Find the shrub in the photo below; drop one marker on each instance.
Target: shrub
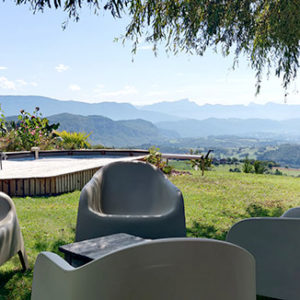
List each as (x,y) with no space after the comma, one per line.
(30,130)
(277,172)
(203,163)
(74,140)
(247,166)
(260,167)
(155,158)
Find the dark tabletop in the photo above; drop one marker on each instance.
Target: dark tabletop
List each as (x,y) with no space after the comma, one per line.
(95,248)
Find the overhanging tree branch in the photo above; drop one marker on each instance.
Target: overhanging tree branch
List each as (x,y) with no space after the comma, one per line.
(266,31)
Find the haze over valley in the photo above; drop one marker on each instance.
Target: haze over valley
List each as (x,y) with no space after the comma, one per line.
(172,126)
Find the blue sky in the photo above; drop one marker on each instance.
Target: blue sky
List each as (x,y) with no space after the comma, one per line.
(84,63)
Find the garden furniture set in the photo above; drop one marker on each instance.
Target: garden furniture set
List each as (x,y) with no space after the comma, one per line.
(130,243)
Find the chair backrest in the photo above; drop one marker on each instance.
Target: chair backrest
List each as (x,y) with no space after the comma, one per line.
(135,188)
(180,268)
(6,205)
(292,213)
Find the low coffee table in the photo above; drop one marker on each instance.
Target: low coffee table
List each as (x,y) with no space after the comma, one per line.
(80,253)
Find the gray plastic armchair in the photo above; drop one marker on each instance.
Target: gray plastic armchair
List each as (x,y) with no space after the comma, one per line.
(275,246)
(130,197)
(166,269)
(11,240)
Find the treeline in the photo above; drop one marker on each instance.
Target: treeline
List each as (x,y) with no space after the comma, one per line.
(285,155)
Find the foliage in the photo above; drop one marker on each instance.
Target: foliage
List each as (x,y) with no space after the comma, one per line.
(260,167)
(203,163)
(277,172)
(3,128)
(32,130)
(247,166)
(285,154)
(74,140)
(155,158)
(267,32)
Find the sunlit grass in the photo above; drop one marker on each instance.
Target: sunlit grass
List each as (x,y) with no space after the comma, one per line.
(213,203)
(46,223)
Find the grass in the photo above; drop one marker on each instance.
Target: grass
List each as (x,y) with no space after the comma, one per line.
(213,203)
(46,223)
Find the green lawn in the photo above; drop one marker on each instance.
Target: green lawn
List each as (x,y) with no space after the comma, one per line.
(213,203)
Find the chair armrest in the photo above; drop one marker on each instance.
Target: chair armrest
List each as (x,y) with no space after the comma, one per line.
(50,277)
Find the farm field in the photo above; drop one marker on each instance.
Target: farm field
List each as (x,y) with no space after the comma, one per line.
(213,203)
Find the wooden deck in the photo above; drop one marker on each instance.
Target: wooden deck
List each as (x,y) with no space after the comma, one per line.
(50,176)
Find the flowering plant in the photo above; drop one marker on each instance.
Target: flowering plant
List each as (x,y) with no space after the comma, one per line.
(32,129)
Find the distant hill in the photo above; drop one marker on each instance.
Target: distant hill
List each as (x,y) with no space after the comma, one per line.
(111,133)
(286,155)
(190,110)
(12,105)
(158,112)
(213,126)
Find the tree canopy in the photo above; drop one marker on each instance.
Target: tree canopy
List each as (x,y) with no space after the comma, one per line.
(266,31)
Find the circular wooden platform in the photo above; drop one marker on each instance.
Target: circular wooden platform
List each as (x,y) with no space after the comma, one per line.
(51,175)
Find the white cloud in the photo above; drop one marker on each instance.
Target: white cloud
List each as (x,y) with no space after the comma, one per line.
(7,84)
(127,90)
(21,82)
(61,68)
(3,68)
(74,87)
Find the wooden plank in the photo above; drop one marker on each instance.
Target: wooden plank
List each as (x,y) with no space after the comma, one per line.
(77,180)
(48,186)
(73,182)
(43,186)
(52,186)
(5,187)
(26,187)
(12,190)
(32,187)
(69,182)
(84,177)
(37,186)
(62,183)
(58,184)
(19,187)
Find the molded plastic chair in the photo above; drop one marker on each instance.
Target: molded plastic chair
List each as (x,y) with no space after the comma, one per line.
(178,268)
(11,240)
(275,246)
(130,197)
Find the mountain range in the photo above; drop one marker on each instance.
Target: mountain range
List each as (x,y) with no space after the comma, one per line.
(186,109)
(232,126)
(11,105)
(157,112)
(124,125)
